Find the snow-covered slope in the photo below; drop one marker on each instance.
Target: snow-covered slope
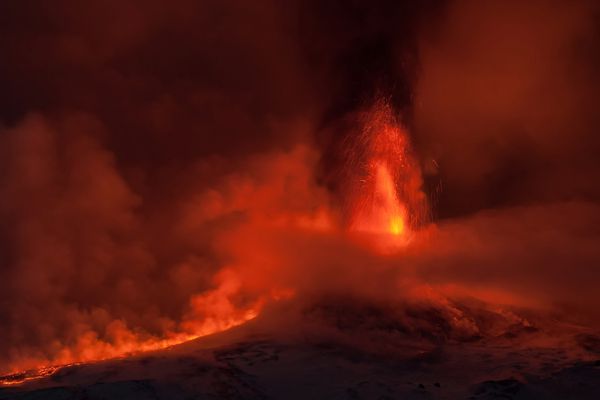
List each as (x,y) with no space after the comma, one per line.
(325,358)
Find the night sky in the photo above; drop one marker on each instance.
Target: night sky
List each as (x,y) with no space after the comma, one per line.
(135,135)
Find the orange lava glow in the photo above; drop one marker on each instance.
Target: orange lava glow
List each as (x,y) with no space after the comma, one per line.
(214,307)
(102,351)
(24,376)
(386,196)
(382,212)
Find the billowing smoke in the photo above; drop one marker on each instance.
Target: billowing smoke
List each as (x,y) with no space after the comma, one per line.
(170,170)
(505,102)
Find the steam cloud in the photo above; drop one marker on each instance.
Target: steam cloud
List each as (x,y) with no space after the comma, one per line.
(163,166)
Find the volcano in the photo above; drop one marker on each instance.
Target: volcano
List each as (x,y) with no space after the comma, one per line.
(346,348)
(301,199)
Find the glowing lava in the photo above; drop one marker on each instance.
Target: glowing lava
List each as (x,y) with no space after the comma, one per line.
(382,210)
(383,199)
(211,312)
(386,196)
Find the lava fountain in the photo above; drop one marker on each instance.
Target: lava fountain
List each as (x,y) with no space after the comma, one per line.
(382,210)
(384,201)
(384,184)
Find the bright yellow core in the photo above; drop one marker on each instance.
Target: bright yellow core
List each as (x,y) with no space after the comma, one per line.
(396,225)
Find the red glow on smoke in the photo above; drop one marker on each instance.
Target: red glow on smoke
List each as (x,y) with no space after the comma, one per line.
(385,185)
(385,201)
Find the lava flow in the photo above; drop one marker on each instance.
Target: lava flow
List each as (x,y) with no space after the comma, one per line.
(215,305)
(383,185)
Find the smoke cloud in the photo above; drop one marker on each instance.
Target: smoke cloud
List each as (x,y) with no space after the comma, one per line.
(505,102)
(169,170)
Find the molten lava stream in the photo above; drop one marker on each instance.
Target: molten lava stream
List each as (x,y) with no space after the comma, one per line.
(132,345)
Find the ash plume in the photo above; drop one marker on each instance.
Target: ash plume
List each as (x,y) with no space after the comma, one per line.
(171,169)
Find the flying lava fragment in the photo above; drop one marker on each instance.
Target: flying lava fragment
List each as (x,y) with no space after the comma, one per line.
(385,189)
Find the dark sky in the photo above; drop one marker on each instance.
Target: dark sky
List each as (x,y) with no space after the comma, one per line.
(171,83)
(503,95)
(115,117)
